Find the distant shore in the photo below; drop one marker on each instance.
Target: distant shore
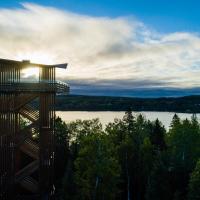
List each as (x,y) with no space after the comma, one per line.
(187,104)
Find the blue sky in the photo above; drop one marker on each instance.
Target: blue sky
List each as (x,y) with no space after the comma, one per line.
(132,48)
(164,15)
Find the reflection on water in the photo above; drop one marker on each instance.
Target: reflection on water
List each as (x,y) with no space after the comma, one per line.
(109,116)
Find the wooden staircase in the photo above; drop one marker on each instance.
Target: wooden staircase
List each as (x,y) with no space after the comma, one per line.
(27,145)
(29,113)
(30,148)
(21,100)
(27,132)
(26,171)
(16,104)
(30,184)
(22,162)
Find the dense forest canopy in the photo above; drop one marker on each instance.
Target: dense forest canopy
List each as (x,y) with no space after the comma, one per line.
(132,158)
(188,104)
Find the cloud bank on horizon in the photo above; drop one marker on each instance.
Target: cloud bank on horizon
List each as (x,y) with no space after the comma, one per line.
(106,53)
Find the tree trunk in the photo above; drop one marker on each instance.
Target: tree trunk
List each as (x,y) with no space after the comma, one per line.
(128,178)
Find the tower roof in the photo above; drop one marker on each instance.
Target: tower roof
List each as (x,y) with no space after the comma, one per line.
(27,63)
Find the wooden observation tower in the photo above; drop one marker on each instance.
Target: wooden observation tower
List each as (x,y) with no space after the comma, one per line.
(27,117)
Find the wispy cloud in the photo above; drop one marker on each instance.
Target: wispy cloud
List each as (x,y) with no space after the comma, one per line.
(111,52)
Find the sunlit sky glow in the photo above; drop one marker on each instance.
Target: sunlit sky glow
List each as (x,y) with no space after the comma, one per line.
(30,72)
(113,54)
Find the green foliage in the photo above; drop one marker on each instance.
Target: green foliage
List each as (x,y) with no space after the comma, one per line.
(157,135)
(131,158)
(184,150)
(194,184)
(184,143)
(61,131)
(102,103)
(97,169)
(61,151)
(159,183)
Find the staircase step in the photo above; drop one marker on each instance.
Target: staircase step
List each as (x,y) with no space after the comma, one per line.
(30,148)
(15,103)
(26,171)
(30,184)
(30,113)
(24,99)
(27,132)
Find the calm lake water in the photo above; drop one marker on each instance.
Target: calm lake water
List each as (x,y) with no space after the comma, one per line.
(109,116)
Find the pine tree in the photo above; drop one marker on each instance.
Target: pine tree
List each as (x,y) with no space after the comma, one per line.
(194,184)
(194,121)
(159,185)
(129,121)
(158,136)
(175,121)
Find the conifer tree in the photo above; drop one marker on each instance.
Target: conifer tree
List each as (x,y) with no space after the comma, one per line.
(158,136)
(194,184)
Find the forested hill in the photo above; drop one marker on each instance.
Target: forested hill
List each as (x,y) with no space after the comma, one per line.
(189,104)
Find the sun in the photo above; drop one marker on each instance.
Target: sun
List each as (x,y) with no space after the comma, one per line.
(38,57)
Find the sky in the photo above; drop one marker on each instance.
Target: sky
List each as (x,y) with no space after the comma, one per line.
(120,48)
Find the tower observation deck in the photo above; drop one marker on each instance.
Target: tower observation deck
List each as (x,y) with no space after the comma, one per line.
(27,120)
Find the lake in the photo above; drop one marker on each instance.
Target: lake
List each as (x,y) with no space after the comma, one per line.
(109,116)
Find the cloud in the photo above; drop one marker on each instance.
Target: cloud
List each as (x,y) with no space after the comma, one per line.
(109,52)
